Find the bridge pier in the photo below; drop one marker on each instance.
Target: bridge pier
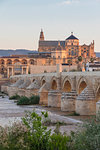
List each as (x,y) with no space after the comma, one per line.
(68,101)
(86,103)
(68,98)
(43,93)
(54,98)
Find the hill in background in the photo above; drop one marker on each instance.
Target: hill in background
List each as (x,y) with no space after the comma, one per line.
(23,52)
(14,52)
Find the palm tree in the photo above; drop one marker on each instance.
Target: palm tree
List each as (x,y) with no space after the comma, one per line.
(79,58)
(79,61)
(91,59)
(69,63)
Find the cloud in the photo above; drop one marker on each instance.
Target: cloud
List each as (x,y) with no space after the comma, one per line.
(68,2)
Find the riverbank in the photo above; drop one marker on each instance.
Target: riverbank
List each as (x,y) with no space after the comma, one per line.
(10,113)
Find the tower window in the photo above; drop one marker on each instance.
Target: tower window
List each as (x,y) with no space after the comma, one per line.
(72,53)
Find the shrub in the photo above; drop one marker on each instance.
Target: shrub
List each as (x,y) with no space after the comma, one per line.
(74,114)
(15,97)
(38,136)
(35,99)
(23,101)
(89,137)
(13,137)
(31,134)
(60,142)
(28,101)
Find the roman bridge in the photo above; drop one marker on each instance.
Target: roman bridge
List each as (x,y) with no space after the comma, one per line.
(71,91)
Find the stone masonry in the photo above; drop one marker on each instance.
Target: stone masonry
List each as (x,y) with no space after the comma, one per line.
(71,91)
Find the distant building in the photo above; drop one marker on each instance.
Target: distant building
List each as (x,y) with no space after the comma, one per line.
(95,66)
(69,48)
(49,53)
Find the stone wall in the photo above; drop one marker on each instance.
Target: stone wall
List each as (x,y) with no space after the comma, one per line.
(42,69)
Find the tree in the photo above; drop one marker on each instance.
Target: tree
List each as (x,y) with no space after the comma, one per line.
(91,59)
(79,58)
(69,63)
(78,64)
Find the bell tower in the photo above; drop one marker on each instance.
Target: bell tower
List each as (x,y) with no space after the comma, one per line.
(41,36)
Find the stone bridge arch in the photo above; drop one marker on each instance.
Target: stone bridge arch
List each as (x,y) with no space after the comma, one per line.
(54,83)
(82,84)
(43,80)
(67,85)
(32,80)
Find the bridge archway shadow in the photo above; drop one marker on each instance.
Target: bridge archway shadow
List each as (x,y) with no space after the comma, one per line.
(54,85)
(82,86)
(67,86)
(43,82)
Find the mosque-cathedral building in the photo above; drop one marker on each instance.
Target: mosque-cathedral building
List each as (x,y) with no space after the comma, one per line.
(49,53)
(67,49)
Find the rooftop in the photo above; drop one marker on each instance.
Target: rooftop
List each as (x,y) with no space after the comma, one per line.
(72,37)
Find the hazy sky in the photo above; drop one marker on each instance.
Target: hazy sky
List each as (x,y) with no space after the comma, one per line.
(22,20)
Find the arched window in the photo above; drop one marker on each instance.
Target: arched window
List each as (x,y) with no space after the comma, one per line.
(72,53)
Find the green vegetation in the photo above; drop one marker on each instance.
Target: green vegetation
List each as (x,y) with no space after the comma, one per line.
(32,134)
(28,101)
(23,100)
(15,97)
(92,59)
(74,114)
(79,58)
(89,138)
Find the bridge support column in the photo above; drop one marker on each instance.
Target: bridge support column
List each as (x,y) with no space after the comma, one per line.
(54,98)
(68,101)
(43,98)
(43,93)
(86,103)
